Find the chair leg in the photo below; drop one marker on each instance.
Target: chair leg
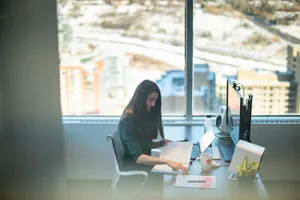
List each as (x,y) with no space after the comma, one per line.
(114,186)
(115,189)
(115,180)
(141,186)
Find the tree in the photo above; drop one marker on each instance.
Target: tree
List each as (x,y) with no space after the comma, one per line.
(62,2)
(109,2)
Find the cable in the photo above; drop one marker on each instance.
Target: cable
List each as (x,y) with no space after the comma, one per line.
(238,88)
(242,88)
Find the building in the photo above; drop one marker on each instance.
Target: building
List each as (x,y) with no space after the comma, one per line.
(293,52)
(171,85)
(114,88)
(273,92)
(293,64)
(122,72)
(80,88)
(204,90)
(173,90)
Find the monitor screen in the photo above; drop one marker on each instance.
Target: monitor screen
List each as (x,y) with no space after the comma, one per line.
(235,111)
(248,118)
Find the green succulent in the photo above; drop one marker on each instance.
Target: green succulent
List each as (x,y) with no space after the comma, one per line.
(247,168)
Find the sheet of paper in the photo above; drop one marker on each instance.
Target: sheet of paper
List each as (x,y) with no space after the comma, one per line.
(165,169)
(195,181)
(176,151)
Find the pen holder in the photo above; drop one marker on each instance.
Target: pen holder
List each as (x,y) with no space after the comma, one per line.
(246,161)
(248,179)
(247,171)
(246,182)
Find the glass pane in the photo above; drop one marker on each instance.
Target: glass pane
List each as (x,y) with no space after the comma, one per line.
(247,41)
(108,47)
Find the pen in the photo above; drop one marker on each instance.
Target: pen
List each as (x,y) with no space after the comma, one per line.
(196,181)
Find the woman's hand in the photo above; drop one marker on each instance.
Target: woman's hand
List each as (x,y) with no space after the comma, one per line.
(177,166)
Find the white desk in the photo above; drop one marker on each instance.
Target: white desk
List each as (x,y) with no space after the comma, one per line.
(226,189)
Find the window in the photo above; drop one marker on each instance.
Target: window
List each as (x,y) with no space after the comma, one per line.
(228,44)
(118,44)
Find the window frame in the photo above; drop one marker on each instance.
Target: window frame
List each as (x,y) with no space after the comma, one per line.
(187,118)
(189,67)
(179,120)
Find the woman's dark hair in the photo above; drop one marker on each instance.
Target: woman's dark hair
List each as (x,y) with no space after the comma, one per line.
(137,105)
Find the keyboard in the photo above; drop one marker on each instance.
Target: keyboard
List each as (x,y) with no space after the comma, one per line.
(227,151)
(196,152)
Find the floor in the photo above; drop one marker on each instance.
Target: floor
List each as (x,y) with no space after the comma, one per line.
(283,190)
(96,190)
(88,190)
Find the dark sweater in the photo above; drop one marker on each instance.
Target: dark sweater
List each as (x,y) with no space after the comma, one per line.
(137,140)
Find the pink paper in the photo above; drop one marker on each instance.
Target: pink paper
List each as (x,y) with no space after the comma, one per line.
(207,184)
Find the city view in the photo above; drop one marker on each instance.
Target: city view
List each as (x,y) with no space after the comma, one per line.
(108,47)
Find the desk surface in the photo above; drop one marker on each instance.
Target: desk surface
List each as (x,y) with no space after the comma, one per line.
(225,188)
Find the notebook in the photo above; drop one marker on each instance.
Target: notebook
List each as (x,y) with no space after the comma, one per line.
(196,181)
(176,151)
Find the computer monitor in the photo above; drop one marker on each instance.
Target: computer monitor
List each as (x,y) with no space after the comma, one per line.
(236,119)
(236,112)
(248,118)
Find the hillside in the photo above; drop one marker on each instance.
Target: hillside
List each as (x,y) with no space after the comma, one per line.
(283,15)
(216,25)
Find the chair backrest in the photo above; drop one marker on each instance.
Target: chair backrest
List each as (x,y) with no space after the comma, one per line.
(118,149)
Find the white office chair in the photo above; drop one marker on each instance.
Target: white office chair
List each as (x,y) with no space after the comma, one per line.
(118,152)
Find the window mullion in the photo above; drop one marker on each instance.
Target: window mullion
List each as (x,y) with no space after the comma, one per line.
(189,68)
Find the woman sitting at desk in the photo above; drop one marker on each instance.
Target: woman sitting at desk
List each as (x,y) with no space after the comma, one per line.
(139,126)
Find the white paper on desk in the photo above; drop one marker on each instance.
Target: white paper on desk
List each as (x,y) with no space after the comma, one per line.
(175,151)
(182,181)
(166,169)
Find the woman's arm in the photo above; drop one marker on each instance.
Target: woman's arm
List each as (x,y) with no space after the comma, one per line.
(149,160)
